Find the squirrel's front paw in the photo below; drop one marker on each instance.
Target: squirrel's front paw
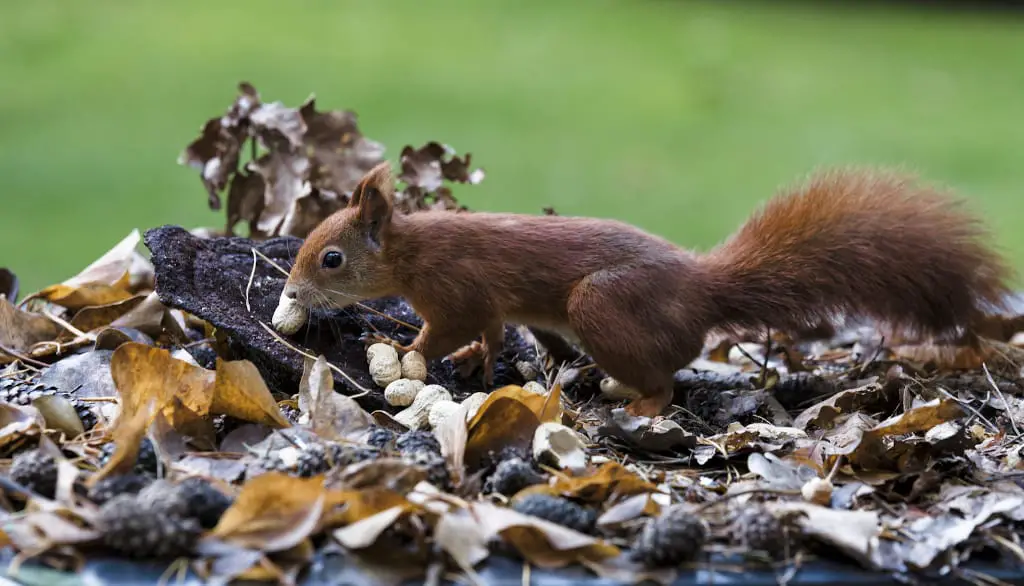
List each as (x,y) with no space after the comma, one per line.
(468,359)
(371,338)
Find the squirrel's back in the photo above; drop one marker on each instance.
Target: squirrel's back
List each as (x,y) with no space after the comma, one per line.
(873,243)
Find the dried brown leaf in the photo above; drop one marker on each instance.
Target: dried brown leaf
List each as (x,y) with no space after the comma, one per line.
(92,318)
(19,329)
(284,176)
(331,415)
(365,532)
(273,512)
(245,201)
(855,533)
(60,415)
(127,435)
(143,374)
(216,152)
(542,543)
(18,422)
(609,483)
(505,419)
(340,155)
(239,391)
(864,398)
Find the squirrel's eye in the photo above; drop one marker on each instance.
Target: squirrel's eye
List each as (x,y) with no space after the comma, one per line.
(332,260)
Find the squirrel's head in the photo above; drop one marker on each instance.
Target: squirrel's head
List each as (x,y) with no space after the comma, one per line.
(342,260)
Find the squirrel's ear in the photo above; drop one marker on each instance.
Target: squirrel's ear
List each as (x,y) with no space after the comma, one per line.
(378,177)
(374,197)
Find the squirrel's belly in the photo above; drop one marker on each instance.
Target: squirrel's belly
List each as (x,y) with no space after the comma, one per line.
(561,328)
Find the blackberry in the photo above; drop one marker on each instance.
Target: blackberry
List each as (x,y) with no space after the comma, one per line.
(557,510)
(381,438)
(113,486)
(417,441)
(145,463)
(511,476)
(674,537)
(435,466)
(203,501)
(35,471)
(22,391)
(138,527)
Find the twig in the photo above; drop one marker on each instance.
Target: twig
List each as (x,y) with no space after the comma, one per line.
(67,326)
(22,357)
(248,286)
(970,408)
(995,387)
(384,315)
(351,381)
(272,263)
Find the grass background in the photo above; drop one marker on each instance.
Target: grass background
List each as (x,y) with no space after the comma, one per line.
(677,116)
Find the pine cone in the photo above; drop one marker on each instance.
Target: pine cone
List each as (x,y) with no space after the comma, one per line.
(511,476)
(22,391)
(557,510)
(203,501)
(435,466)
(340,455)
(674,537)
(417,441)
(113,486)
(381,438)
(145,463)
(137,527)
(309,460)
(758,529)
(35,471)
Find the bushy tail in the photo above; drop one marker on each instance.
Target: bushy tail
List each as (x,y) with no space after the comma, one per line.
(871,243)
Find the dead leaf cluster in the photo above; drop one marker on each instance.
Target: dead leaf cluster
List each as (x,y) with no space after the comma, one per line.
(303,164)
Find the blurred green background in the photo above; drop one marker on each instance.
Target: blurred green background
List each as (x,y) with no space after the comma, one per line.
(677,116)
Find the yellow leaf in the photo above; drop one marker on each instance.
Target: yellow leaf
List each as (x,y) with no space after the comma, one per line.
(239,391)
(143,373)
(129,430)
(611,482)
(504,419)
(273,512)
(89,294)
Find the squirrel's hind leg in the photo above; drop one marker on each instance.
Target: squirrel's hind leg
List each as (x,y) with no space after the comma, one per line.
(615,315)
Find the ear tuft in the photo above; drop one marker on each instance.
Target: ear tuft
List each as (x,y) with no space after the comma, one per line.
(375,202)
(379,178)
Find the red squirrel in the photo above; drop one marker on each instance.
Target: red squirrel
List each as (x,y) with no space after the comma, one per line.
(866,242)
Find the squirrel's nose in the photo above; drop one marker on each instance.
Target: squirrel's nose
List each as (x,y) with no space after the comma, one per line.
(290,292)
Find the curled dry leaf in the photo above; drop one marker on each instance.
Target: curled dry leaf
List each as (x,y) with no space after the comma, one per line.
(273,512)
(542,543)
(92,318)
(331,415)
(18,422)
(144,374)
(341,154)
(105,281)
(509,417)
(646,433)
(866,397)
(239,391)
(127,435)
(19,329)
(608,484)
